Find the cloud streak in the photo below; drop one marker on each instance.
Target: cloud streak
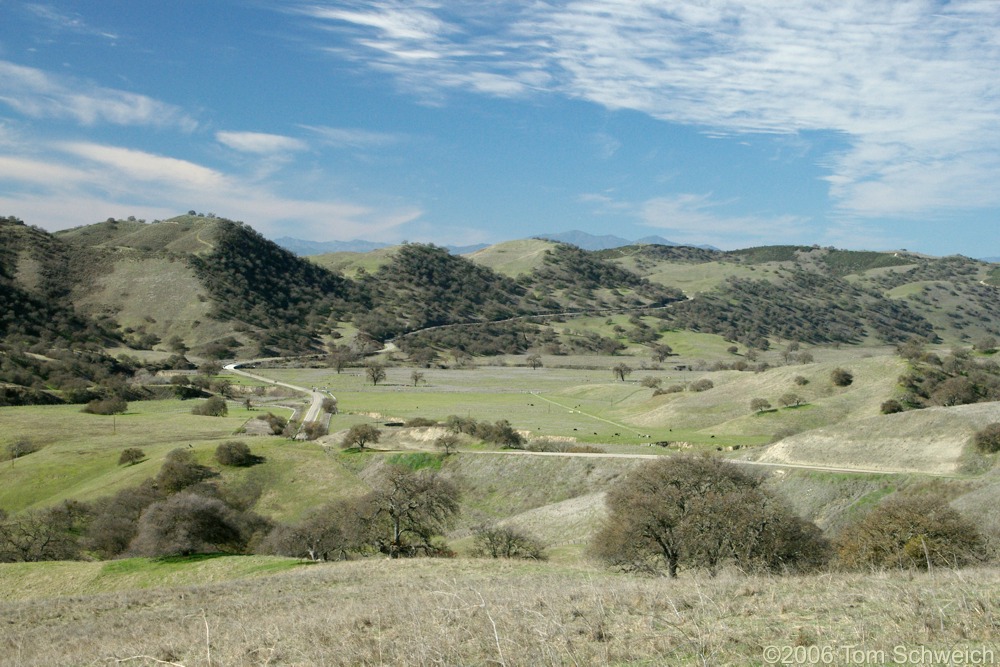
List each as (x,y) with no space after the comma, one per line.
(66,23)
(346,137)
(909,85)
(39,94)
(72,183)
(689,217)
(260,143)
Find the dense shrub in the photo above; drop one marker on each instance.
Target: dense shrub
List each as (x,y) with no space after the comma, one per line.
(116,519)
(235,453)
(131,456)
(180,470)
(21,447)
(213,407)
(498,433)
(314,430)
(420,421)
(988,439)
(891,406)
(910,531)
(841,377)
(334,531)
(106,406)
(187,523)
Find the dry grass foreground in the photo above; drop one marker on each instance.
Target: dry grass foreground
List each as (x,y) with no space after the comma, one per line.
(452,612)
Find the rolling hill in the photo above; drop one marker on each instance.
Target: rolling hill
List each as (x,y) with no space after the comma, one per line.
(514,258)
(215,288)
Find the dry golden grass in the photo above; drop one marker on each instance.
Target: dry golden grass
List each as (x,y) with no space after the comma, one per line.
(468,612)
(930,441)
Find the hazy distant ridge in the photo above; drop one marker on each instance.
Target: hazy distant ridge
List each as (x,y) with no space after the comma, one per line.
(608,241)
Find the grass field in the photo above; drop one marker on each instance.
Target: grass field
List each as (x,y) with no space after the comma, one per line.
(513,258)
(423,612)
(591,406)
(694,278)
(348,263)
(79,455)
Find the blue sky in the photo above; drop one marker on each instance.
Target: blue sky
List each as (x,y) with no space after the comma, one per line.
(859,124)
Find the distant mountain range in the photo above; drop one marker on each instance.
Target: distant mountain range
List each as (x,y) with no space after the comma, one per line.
(575,237)
(305,248)
(607,242)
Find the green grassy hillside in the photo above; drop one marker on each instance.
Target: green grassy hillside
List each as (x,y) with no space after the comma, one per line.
(350,264)
(184,234)
(79,453)
(161,295)
(514,258)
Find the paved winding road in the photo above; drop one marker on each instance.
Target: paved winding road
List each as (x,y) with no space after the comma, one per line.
(315,406)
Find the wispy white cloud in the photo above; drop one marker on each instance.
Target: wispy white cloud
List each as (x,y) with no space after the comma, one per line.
(40,94)
(140,166)
(39,172)
(63,22)
(260,143)
(399,22)
(699,218)
(347,137)
(606,144)
(65,184)
(910,85)
(432,47)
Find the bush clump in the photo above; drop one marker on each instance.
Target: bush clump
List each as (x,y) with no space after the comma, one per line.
(890,407)
(131,456)
(841,377)
(213,407)
(180,471)
(499,433)
(910,531)
(988,439)
(106,406)
(235,453)
(19,448)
